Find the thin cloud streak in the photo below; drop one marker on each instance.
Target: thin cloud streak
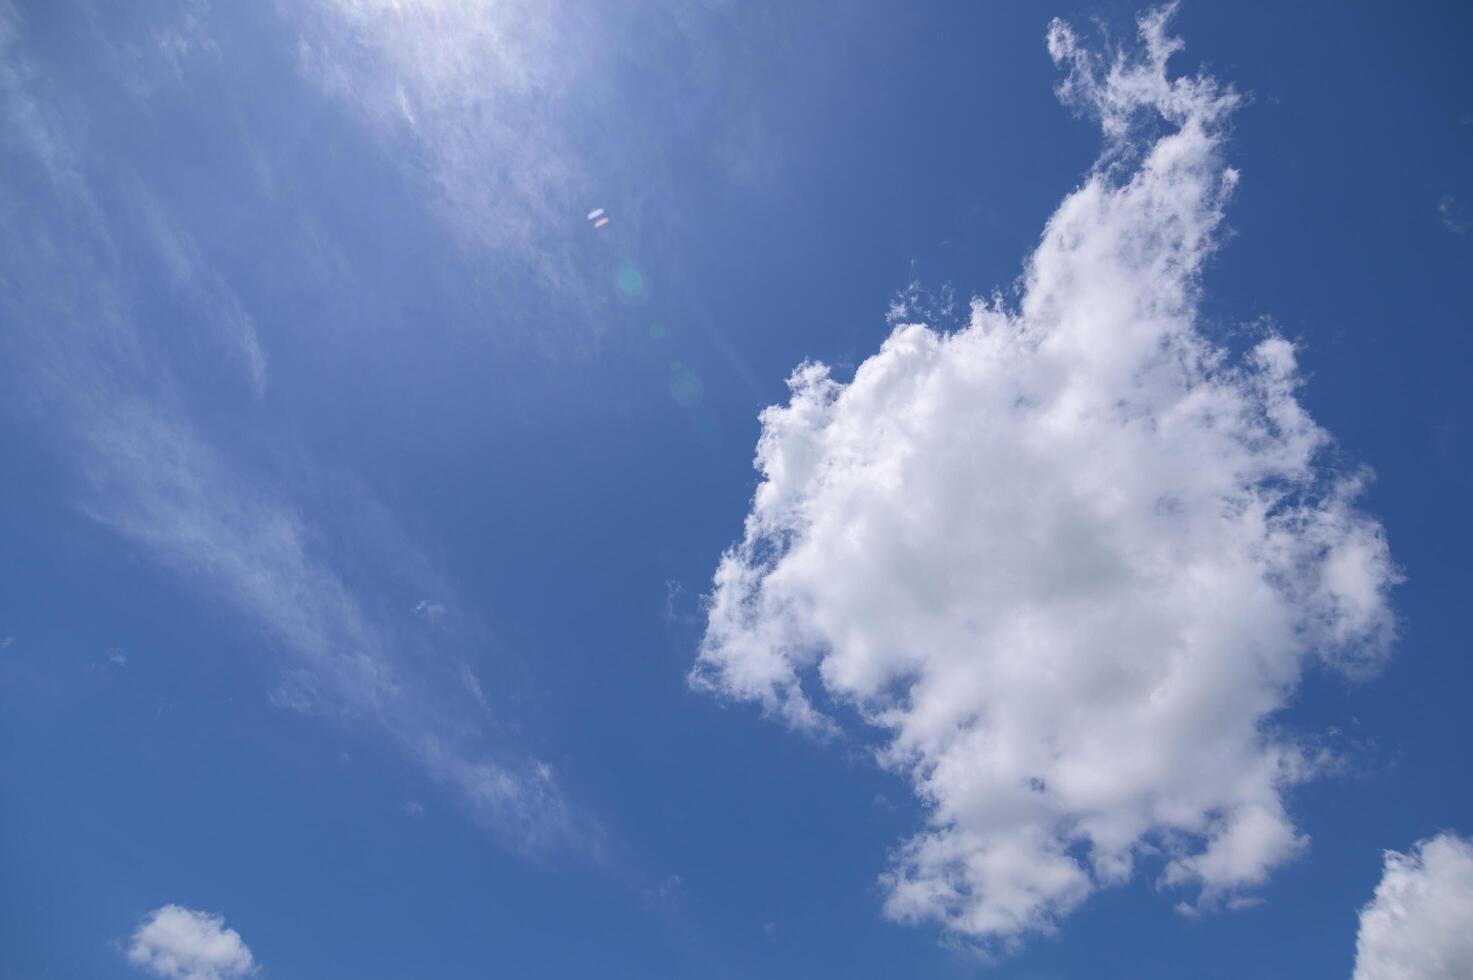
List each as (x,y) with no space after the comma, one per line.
(103,388)
(475,92)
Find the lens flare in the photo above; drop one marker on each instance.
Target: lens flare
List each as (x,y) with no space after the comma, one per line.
(685,386)
(630,281)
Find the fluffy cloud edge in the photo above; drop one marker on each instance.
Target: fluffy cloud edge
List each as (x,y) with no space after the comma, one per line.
(1419,924)
(179,943)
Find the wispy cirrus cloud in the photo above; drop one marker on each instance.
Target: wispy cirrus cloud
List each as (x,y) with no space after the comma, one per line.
(204,290)
(519,118)
(1070,559)
(104,387)
(473,98)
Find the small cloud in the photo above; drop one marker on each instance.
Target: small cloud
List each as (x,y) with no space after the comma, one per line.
(429,609)
(472,683)
(1454,216)
(181,944)
(665,891)
(917,304)
(679,607)
(401,99)
(297,692)
(769,928)
(415,809)
(113,658)
(7,643)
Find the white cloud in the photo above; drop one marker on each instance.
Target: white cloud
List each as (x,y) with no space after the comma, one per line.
(665,891)
(181,944)
(1451,211)
(472,682)
(1420,924)
(1069,559)
(429,609)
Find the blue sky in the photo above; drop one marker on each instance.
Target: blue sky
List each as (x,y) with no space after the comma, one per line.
(377,599)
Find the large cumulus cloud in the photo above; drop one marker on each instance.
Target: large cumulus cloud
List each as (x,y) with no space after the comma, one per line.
(1069,559)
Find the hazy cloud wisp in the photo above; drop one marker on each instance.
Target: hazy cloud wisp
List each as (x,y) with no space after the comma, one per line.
(103,385)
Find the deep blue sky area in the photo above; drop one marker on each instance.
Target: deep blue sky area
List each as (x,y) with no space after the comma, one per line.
(513,448)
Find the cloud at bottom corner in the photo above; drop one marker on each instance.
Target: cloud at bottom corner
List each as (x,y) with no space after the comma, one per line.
(179,943)
(1419,924)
